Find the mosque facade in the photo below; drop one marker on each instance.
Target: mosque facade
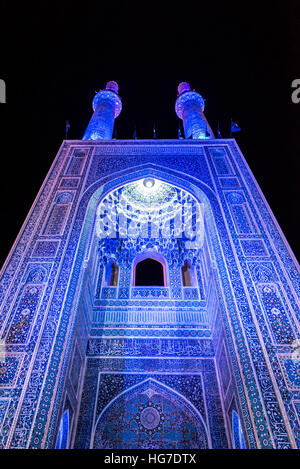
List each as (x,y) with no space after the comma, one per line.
(150,299)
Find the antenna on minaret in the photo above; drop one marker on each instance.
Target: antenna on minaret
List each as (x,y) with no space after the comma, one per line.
(179,131)
(154,131)
(134,133)
(67,128)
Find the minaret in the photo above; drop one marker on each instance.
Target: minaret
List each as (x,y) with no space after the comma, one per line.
(107,105)
(189,107)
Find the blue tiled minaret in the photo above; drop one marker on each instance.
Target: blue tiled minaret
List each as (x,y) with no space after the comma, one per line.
(189,107)
(107,105)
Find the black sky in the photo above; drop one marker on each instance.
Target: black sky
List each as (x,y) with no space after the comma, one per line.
(241,57)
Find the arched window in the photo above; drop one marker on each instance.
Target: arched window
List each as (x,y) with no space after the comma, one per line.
(111,274)
(237,432)
(188,275)
(149,272)
(63,432)
(114,275)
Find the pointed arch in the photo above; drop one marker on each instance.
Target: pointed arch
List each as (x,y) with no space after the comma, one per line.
(151,254)
(150,413)
(111,274)
(82,239)
(203,194)
(149,272)
(237,432)
(62,440)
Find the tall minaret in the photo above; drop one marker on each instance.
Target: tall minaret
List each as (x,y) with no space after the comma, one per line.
(107,106)
(189,107)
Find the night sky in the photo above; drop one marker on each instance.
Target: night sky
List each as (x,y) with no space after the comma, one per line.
(242,58)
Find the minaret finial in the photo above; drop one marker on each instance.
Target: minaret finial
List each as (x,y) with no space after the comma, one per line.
(182,87)
(112,86)
(107,106)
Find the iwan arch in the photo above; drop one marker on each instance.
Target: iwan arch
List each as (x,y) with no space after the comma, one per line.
(206,359)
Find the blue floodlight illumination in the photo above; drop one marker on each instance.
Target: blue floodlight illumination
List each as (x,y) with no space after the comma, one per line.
(107,106)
